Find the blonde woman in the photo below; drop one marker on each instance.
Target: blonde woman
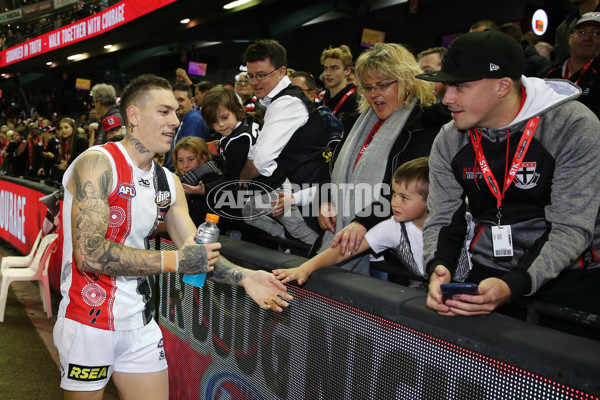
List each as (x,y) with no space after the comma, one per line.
(399,121)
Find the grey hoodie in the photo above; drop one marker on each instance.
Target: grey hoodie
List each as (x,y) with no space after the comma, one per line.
(552,206)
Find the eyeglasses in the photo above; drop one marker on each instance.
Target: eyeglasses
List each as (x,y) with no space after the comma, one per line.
(260,76)
(593,34)
(378,86)
(243,81)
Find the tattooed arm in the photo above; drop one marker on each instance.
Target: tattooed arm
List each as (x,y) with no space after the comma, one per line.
(261,286)
(90,185)
(267,291)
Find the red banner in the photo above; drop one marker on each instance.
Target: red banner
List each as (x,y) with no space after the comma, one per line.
(97,24)
(21,214)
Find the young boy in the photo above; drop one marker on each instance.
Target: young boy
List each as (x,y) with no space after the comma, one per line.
(403,231)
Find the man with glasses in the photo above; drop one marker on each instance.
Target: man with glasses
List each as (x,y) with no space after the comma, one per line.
(582,65)
(565,28)
(292,139)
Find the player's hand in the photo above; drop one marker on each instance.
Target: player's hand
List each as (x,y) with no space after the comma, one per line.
(298,274)
(198,258)
(266,291)
(327,217)
(492,293)
(440,275)
(349,238)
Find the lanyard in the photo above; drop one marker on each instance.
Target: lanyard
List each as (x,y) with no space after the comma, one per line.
(583,70)
(509,174)
(66,150)
(342,100)
(368,141)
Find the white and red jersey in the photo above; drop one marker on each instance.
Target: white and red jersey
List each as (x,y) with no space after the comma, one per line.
(137,200)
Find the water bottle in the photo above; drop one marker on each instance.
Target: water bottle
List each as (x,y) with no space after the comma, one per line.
(207,233)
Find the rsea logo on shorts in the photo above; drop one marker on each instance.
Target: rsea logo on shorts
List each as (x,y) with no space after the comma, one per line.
(87,374)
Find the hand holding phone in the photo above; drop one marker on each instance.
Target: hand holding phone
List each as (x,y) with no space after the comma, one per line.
(451,291)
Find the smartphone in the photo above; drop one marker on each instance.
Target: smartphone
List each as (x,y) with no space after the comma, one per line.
(452,290)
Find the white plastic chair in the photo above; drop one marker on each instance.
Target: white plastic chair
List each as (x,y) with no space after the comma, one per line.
(36,271)
(21,261)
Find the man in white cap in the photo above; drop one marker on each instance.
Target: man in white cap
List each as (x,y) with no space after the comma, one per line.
(582,65)
(564,29)
(521,156)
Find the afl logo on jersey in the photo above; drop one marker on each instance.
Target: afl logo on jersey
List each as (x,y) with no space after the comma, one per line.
(126,190)
(162,199)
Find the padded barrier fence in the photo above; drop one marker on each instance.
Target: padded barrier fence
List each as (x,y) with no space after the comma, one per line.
(346,336)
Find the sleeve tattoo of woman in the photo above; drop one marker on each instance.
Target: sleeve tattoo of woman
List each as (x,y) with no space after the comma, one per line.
(92,181)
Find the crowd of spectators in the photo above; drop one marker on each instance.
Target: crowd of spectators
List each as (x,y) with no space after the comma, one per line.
(41,148)
(276,133)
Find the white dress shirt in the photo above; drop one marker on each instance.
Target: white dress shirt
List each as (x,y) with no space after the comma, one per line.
(282,119)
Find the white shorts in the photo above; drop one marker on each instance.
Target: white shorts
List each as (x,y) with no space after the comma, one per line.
(88,356)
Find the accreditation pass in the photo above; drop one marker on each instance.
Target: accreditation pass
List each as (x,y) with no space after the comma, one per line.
(502,241)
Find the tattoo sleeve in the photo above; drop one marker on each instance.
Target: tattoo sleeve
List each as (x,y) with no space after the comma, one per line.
(227,272)
(193,260)
(91,184)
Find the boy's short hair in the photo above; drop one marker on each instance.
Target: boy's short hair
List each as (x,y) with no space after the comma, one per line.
(223,96)
(414,171)
(267,48)
(135,92)
(195,145)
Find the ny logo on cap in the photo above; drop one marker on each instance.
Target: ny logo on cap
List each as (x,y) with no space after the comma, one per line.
(494,67)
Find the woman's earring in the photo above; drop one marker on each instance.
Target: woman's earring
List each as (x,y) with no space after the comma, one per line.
(131,126)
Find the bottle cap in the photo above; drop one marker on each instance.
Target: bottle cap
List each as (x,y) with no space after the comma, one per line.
(212,217)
